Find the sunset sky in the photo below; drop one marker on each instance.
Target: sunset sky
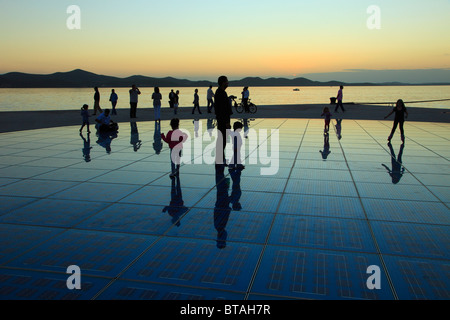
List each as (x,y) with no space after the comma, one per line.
(199,39)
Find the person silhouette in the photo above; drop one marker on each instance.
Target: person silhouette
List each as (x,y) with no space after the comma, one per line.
(85,118)
(400,115)
(223,114)
(157,97)
(104,122)
(326,146)
(175,139)
(171,99)
(245,96)
(134,137)
(196,102)
(397,166)
(97,101)
(176,209)
(134,98)
(157,140)
(327,114)
(176,102)
(113,98)
(339,98)
(210,99)
(86,147)
(236,160)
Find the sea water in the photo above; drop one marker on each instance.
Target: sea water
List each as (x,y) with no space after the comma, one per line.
(74,98)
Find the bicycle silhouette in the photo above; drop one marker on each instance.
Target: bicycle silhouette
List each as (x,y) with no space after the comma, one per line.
(252,108)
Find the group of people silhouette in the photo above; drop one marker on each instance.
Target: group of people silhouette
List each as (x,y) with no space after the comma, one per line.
(395,172)
(219,101)
(225,202)
(223,110)
(114,98)
(174,101)
(400,111)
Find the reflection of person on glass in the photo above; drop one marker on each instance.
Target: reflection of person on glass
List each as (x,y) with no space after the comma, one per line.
(134,140)
(246,128)
(105,139)
(86,147)
(196,123)
(397,167)
(236,191)
(339,128)
(222,208)
(210,126)
(236,161)
(326,146)
(176,208)
(157,141)
(400,115)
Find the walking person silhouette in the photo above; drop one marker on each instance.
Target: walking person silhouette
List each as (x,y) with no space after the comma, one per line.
(339,98)
(210,97)
(196,102)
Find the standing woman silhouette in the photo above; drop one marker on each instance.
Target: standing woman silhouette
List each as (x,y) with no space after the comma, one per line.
(157,97)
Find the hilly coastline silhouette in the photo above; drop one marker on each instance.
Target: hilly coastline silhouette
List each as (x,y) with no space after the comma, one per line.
(83,79)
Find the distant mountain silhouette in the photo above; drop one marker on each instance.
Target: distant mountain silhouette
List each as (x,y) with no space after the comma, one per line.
(281,82)
(83,79)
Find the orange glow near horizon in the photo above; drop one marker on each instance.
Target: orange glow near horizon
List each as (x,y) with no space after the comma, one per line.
(272,41)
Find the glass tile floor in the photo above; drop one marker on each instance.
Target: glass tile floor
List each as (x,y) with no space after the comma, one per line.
(305,219)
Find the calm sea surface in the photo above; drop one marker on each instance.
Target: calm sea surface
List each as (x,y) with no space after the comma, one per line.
(70,99)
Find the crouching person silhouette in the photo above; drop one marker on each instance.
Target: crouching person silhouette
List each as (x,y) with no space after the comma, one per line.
(104,122)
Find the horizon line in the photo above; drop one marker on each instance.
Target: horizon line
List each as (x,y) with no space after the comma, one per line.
(293,77)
